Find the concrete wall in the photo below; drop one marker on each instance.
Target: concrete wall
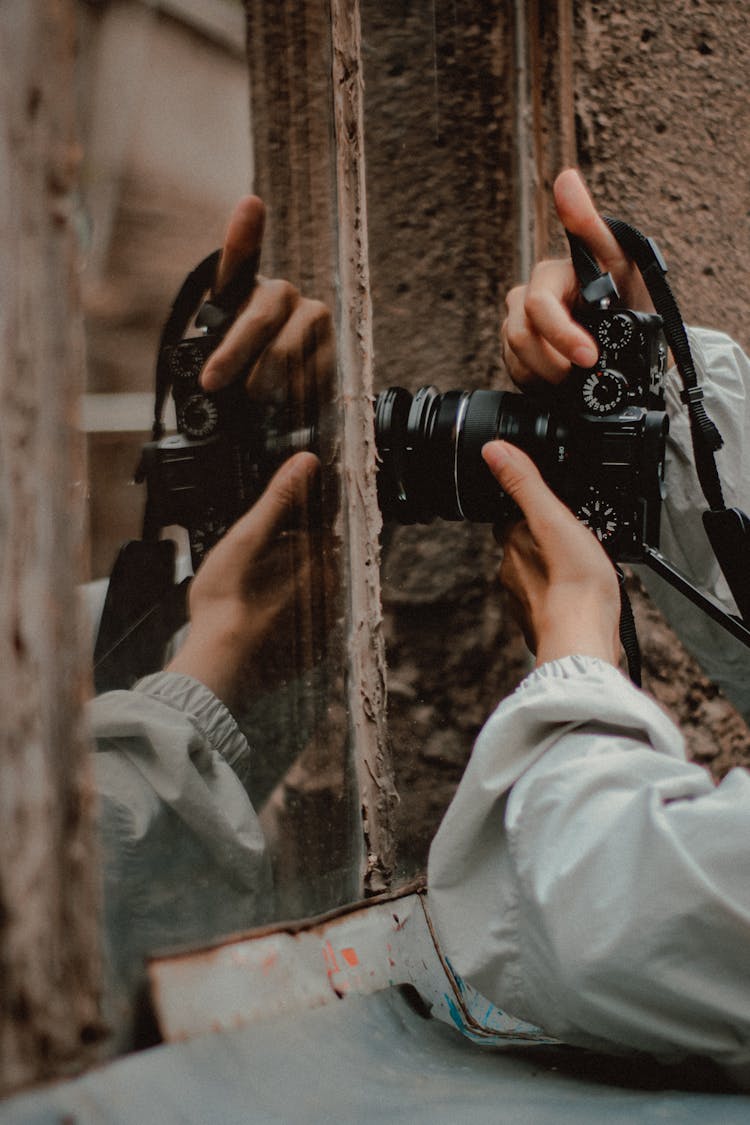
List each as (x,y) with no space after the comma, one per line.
(663,127)
(470,112)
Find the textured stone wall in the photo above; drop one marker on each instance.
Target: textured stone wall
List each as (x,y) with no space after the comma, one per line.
(663,131)
(651,100)
(439,151)
(49,900)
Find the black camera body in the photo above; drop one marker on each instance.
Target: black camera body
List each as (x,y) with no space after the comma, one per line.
(225,451)
(632,362)
(599,441)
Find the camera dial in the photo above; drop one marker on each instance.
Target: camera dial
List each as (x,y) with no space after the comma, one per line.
(199,416)
(598,515)
(604,391)
(616,332)
(186,359)
(203,537)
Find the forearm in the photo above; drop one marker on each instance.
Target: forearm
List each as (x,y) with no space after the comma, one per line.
(578,625)
(213,661)
(587,879)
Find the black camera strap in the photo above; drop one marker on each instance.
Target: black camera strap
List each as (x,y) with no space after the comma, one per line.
(183,309)
(143,608)
(144,604)
(215,314)
(628,631)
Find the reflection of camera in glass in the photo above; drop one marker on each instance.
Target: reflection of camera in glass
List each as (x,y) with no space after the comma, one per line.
(599,441)
(226,450)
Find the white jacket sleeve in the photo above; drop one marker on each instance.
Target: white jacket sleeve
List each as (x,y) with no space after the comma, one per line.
(184,857)
(724,372)
(589,880)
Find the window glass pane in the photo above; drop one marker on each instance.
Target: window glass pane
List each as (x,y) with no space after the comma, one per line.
(206,832)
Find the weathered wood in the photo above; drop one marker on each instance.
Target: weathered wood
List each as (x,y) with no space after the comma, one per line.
(49,963)
(306,98)
(367,688)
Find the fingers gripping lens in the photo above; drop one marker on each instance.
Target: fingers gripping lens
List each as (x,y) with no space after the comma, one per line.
(430,451)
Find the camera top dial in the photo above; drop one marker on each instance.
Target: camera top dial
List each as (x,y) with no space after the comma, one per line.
(199,416)
(615,332)
(604,391)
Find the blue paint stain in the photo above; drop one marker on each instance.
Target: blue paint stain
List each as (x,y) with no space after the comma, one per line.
(455,1013)
(456,977)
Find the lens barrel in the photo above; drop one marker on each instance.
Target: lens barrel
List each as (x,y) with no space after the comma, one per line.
(430,450)
(607,467)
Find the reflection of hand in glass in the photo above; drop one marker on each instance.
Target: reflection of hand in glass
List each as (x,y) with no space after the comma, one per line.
(250,603)
(261,599)
(281,343)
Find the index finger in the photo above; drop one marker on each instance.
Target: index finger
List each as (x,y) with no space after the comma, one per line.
(546,515)
(550,294)
(286,494)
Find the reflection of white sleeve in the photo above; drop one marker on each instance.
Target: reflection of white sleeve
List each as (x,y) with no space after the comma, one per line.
(183,853)
(589,880)
(724,372)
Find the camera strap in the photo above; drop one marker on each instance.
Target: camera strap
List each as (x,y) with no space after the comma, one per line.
(184,306)
(143,608)
(144,604)
(628,632)
(215,314)
(728,529)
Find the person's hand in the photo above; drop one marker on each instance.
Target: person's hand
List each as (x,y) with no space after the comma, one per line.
(280,343)
(258,601)
(540,338)
(563,584)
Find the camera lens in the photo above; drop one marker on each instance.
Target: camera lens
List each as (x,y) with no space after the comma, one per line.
(430,451)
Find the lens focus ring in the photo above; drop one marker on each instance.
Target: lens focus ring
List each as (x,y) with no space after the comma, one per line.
(478,493)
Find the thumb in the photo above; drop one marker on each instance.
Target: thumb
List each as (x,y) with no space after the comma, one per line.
(519,477)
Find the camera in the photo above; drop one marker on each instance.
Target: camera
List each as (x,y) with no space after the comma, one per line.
(226,449)
(599,440)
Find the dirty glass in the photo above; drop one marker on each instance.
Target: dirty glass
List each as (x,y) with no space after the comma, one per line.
(205,837)
(440,174)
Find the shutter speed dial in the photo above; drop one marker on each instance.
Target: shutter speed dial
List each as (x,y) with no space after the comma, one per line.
(604,391)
